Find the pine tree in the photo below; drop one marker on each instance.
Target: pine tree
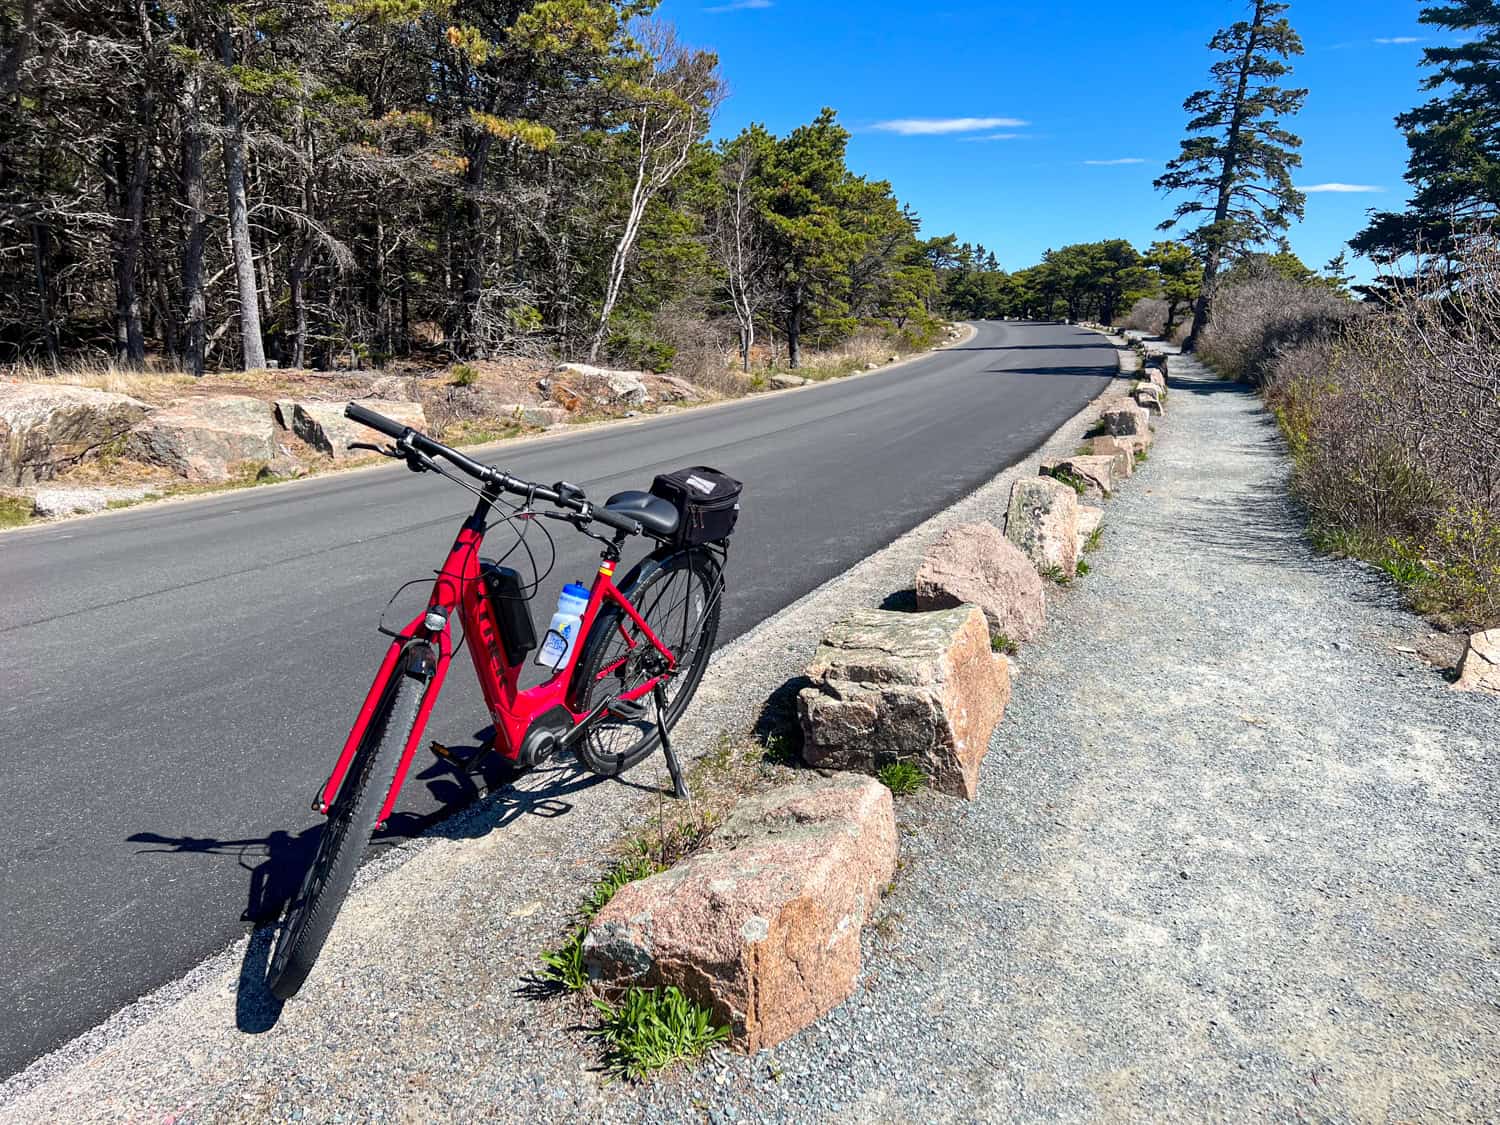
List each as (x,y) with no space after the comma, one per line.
(1237,160)
(1454,165)
(1181,276)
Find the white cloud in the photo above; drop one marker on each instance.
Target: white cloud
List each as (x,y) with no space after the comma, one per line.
(1119,160)
(1337,188)
(996,137)
(1398,40)
(740,6)
(942,126)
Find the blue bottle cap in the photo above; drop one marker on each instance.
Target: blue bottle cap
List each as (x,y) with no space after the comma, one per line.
(574,590)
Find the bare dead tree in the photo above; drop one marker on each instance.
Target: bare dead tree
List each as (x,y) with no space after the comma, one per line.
(673,106)
(738,246)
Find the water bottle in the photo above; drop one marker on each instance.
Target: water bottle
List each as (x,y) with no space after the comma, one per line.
(562,634)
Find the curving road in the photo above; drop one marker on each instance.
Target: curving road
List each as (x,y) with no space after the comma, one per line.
(176,679)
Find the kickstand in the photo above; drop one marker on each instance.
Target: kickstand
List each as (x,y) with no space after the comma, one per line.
(679,786)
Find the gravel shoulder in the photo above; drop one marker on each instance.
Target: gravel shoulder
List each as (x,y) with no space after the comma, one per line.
(1233,855)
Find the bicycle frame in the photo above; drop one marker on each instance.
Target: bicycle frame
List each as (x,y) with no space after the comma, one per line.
(459,588)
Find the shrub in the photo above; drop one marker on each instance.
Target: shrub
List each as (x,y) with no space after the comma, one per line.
(1393,421)
(464,375)
(1265,316)
(1149,314)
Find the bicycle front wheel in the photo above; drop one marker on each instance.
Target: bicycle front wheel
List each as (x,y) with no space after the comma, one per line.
(678,596)
(310,915)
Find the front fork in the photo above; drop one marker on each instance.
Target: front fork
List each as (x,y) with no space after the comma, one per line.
(408,655)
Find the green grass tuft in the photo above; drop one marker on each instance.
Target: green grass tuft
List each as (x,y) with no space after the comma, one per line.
(563,966)
(637,865)
(653,1029)
(1076,483)
(1095,539)
(1057,574)
(14,511)
(901,778)
(464,375)
(1000,642)
(1083,567)
(781,749)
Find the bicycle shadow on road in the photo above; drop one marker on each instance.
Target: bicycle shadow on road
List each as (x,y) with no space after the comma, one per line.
(473,806)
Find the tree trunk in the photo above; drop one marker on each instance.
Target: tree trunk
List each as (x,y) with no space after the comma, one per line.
(471,251)
(132,168)
(252,346)
(41,243)
(295,275)
(404,337)
(640,195)
(1203,308)
(195,234)
(794,330)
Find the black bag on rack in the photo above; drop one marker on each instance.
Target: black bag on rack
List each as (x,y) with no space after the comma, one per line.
(707,503)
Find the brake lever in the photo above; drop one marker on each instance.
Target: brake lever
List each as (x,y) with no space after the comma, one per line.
(383,450)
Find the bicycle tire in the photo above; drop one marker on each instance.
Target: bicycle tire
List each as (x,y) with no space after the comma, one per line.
(309,915)
(650,588)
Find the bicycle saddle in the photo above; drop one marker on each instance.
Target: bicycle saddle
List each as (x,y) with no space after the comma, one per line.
(657,516)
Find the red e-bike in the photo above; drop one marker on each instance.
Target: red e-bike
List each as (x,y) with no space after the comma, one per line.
(640,652)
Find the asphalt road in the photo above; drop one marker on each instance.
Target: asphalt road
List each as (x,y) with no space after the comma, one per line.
(176,680)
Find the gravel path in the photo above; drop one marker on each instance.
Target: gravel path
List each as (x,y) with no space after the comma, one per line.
(1234,856)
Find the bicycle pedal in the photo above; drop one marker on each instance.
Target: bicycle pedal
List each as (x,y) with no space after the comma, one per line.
(632,711)
(447,755)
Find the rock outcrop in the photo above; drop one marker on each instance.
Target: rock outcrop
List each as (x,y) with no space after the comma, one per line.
(923,688)
(1042,521)
(323,425)
(46,428)
(974,564)
(785,382)
(1480,668)
(627,387)
(762,926)
(529,414)
(669,388)
(206,439)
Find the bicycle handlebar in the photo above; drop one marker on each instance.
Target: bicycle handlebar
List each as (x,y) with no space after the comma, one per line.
(411,439)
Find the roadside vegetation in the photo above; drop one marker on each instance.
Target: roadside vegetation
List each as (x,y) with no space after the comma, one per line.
(1392,414)
(379,185)
(1391,406)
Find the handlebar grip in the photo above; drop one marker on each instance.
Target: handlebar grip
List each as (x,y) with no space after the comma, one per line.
(615,520)
(367,417)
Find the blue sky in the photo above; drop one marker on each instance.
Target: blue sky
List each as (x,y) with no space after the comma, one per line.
(932,97)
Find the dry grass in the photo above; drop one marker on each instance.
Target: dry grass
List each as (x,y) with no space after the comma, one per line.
(855,354)
(148,385)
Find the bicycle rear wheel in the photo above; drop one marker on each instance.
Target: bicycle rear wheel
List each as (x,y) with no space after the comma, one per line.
(310,915)
(679,597)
